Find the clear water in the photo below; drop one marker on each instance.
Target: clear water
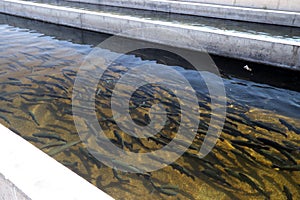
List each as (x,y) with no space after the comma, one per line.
(37,73)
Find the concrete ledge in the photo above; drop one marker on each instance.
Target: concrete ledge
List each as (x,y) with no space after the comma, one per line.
(28,173)
(257,48)
(289,5)
(233,12)
(9,191)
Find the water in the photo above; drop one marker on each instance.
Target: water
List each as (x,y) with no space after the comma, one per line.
(37,74)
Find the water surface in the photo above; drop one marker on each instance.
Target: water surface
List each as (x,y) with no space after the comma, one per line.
(256,157)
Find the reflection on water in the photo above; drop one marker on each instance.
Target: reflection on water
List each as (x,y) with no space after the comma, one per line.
(256,157)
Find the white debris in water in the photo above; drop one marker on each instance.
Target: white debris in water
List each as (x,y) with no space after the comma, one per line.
(246,67)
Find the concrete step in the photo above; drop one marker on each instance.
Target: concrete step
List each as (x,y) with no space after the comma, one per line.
(267,44)
(220,9)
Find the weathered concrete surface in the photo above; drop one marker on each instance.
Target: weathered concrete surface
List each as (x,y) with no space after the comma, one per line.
(234,12)
(8,191)
(257,48)
(288,5)
(37,175)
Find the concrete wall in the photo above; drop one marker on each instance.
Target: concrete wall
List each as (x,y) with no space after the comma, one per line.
(257,48)
(207,10)
(288,5)
(28,173)
(9,191)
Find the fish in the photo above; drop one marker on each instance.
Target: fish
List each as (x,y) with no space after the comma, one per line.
(4,119)
(274,144)
(98,181)
(158,140)
(272,181)
(15,131)
(147,118)
(246,179)
(5,99)
(170,190)
(287,193)
(53,144)
(82,159)
(140,122)
(32,139)
(287,167)
(240,152)
(89,156)
(232,132)
(67,76)
(116,175)
(46,94)
(31,114)
(184,143)
(249,144)
(215,176)
(58,126)
(138,141)
(283,149)
(269,156)
(55,78)
(291,145)
(36,99)
(289,126)
(119,138)
(126,166)
(48,135)
(69,164)
(182,170)
(269,128)
(5,111)
(15,83)
(289,156)
(60,149)
(232,173)
(59,86)
(156,158)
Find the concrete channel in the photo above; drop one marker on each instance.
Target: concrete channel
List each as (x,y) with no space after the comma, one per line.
(255,48)
(240,12)
(21,177)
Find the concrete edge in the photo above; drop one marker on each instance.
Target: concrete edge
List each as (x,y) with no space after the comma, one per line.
(276,17)
(286,5)
(39,176)
(9,191)
(257,48)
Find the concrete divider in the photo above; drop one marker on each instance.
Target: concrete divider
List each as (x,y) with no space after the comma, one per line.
(287,5)
(257,48)
(28,173)
(234,12)
(9,191)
